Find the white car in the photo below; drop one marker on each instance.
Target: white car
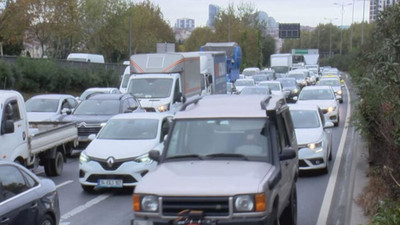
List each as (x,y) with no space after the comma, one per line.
(49,107)
(275,87)
(335,84)
(98,90)
(118,156)
(325,98)
(241,83)
(313,139)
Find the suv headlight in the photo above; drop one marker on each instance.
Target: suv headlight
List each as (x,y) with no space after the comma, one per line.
(295,90)
(143,159)
(315,145)
(83,158)
(244,203)
(147,203)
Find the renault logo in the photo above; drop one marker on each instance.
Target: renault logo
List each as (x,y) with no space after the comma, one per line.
(110,161)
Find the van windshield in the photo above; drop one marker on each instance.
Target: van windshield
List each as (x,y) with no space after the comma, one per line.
(150,87)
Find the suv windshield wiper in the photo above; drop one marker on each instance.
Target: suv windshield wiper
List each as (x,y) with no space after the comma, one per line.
(222,155)
(186,156)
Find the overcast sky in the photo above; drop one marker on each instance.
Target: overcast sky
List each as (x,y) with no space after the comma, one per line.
(305,12)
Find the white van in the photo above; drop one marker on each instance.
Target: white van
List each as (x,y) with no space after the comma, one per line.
(85,57)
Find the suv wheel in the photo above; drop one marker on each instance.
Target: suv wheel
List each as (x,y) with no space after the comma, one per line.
(289,214)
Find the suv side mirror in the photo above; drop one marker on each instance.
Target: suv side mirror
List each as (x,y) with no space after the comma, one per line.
(154,155)
(7,127)
(287,153)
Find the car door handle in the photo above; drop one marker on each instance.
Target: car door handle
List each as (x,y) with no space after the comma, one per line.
(34,205)
(4,220)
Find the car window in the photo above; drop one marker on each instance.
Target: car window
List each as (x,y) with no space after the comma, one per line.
(11,111)
(12,182)
(42,105)
(303,119)
(98,107)
(130,129)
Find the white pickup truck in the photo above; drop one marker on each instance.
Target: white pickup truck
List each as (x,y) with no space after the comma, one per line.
(33,144)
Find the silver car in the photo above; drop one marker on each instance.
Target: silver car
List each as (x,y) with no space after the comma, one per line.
(313,139)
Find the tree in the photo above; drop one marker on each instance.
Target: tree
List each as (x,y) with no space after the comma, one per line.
(199,36)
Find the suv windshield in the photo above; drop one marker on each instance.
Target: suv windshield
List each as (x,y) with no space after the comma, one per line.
(129,129)
(150,87)
(329,82)
(98,107)
(220,138)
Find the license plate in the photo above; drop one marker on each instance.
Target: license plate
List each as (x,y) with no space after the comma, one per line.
(142,222)
(109,183)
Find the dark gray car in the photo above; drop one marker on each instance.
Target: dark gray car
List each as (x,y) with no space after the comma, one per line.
(91,113)
(25,199)
(291,88)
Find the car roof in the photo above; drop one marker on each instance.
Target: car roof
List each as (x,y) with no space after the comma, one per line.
(270,81)
(101,89)
(142,115)
(110,96)
(317,87)
(304,106)
(230,106)
(51,96)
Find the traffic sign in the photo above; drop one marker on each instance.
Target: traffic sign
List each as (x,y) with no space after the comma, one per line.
(289,30)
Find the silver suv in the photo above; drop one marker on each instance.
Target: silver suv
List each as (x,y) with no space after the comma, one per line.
(227,160)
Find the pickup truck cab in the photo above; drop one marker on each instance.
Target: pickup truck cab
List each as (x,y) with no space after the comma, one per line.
(225,164)
(33,143)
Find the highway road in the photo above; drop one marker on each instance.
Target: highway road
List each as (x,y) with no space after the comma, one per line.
(322,198)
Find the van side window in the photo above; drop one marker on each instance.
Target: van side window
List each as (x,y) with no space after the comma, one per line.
(176,91)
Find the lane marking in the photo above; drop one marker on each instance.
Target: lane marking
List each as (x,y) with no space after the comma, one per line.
(65,183)
(326,203)
(87,205)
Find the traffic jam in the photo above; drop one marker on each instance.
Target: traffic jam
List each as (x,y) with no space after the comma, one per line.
(192,138)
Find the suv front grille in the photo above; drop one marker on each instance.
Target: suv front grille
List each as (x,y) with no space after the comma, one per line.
(115,165)
(211,206)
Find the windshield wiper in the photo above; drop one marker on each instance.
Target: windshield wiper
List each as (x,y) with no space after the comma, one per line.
(222,155)
(186,156)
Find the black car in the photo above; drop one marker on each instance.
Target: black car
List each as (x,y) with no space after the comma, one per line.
(93,112)
(25,199)
(291,88)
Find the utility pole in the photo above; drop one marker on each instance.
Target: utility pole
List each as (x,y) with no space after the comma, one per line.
(130,37)
(362,25)
(341,25)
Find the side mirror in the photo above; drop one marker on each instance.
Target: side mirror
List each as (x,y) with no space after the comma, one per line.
(7,127)
(154,155)
(92,137)
(178,98)
(329,124)
(66,111)
(337,97)
(288,153)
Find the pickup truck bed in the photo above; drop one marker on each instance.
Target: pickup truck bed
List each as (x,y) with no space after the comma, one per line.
(47,135)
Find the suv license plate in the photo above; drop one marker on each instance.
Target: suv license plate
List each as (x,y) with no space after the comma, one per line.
(142,222)
(109,183)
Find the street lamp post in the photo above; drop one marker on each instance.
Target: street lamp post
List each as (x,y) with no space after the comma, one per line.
(341,25)
(330,34)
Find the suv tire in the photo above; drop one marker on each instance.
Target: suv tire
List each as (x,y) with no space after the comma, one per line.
(289,214)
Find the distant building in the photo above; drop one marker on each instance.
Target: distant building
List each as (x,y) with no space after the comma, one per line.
(213,11)
(377,6)
(185,23)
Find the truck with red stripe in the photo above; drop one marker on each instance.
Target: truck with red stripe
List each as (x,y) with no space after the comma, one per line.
(164,81)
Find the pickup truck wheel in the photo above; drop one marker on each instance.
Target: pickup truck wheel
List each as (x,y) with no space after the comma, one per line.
(54,167)
(289,214)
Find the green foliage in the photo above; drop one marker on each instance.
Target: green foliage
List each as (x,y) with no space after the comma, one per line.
(388,214)
(376,73)
(48,76)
